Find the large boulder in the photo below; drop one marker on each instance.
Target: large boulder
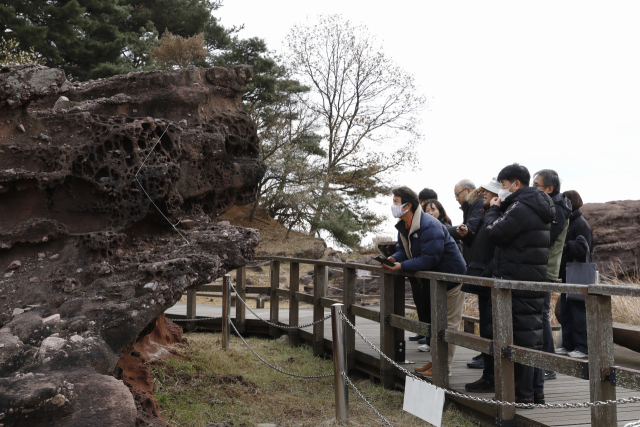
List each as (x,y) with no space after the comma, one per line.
(616,235)
(109,191)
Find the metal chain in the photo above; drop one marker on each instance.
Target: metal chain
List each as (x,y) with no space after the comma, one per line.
(328,316)
(632,399)
(365,400)
(633,424)
(272,366)
(196,320)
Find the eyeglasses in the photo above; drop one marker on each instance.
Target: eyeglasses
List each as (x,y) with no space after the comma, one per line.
(459,193)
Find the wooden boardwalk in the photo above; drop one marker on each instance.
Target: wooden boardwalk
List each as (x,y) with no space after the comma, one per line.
(562,390)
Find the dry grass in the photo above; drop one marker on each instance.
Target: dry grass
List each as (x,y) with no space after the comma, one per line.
(192,394)
(272,233)
(625,309)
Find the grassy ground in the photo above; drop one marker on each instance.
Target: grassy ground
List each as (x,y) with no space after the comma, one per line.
(198,390)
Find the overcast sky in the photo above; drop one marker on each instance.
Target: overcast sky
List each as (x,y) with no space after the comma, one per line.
(547,84)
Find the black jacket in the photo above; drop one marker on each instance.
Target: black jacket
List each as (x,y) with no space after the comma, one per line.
(578,226)
(559,228)
(472,214)
(520,229)
(482,251)
(563,210)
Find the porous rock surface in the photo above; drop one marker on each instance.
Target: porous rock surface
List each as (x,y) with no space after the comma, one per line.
(79,166)
(616,235)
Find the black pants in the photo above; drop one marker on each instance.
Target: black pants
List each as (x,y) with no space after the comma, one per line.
(529,381)
(548,345)
(574,324)
(421,290)
(484,306)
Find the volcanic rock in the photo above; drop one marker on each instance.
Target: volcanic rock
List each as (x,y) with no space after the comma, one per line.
(89,195)
(616,235)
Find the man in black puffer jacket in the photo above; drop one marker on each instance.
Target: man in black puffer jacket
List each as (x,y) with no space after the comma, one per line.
(519,223)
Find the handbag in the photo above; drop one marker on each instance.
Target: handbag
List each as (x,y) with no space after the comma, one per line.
(581,273)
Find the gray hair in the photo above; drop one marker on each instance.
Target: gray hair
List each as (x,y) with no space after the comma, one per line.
(549,178)
(467,183)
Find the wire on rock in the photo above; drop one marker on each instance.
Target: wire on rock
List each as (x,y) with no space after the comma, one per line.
(147,194)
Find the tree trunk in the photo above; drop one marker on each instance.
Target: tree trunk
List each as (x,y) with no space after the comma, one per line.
(254,208)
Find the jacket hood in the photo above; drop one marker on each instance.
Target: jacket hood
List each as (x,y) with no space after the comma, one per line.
(476,194)
(562,202)
(575,214)
(537,200)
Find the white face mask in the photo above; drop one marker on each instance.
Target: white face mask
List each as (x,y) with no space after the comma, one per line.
(396,210)
(504,193)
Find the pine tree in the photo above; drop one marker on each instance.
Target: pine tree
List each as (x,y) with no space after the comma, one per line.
(99,38)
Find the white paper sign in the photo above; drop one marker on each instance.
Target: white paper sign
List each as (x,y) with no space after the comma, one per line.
(423,400)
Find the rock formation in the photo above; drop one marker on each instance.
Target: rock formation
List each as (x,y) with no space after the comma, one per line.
(616,235)
(90,261)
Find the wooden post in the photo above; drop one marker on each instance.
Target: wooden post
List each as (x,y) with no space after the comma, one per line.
(439,347)
(600,341)
(241,287)
(294,286)
(387,333)
(191,309)
(226,311)
(399,344)
(274,300)
(469,327)
(320,280)
(502,338)
(349,299)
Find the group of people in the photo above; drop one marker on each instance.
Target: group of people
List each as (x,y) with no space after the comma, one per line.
(515,229)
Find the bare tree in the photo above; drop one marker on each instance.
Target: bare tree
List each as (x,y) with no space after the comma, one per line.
(368,112)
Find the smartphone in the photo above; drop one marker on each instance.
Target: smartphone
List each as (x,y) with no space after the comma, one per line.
(382,260)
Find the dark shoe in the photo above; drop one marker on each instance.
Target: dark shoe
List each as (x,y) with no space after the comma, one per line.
(416,337)
(549,375)
(525,401)
(538,399)
(423,340)
(476,363)
(481,386)
(478,356)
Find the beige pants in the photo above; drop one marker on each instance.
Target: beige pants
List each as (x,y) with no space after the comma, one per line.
(455,304)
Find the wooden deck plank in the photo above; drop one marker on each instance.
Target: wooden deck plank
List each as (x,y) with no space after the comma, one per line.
(564,389)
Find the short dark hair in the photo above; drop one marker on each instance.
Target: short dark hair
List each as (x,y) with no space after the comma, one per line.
(443,214)
(515,172)
(428,194)
(574,198)
(549,177)
(407,195)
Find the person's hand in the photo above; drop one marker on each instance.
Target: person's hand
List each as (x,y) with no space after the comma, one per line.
(396,267)
(462,230)
(391,259)
(495,201)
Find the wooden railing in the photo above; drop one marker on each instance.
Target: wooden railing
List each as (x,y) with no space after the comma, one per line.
(600,369)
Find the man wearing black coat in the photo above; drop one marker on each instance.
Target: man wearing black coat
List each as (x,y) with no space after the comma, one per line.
(471,212)
(548,181)
(519,223)
(482,252)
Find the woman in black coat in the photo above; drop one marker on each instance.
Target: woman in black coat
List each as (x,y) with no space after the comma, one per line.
(573,312)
